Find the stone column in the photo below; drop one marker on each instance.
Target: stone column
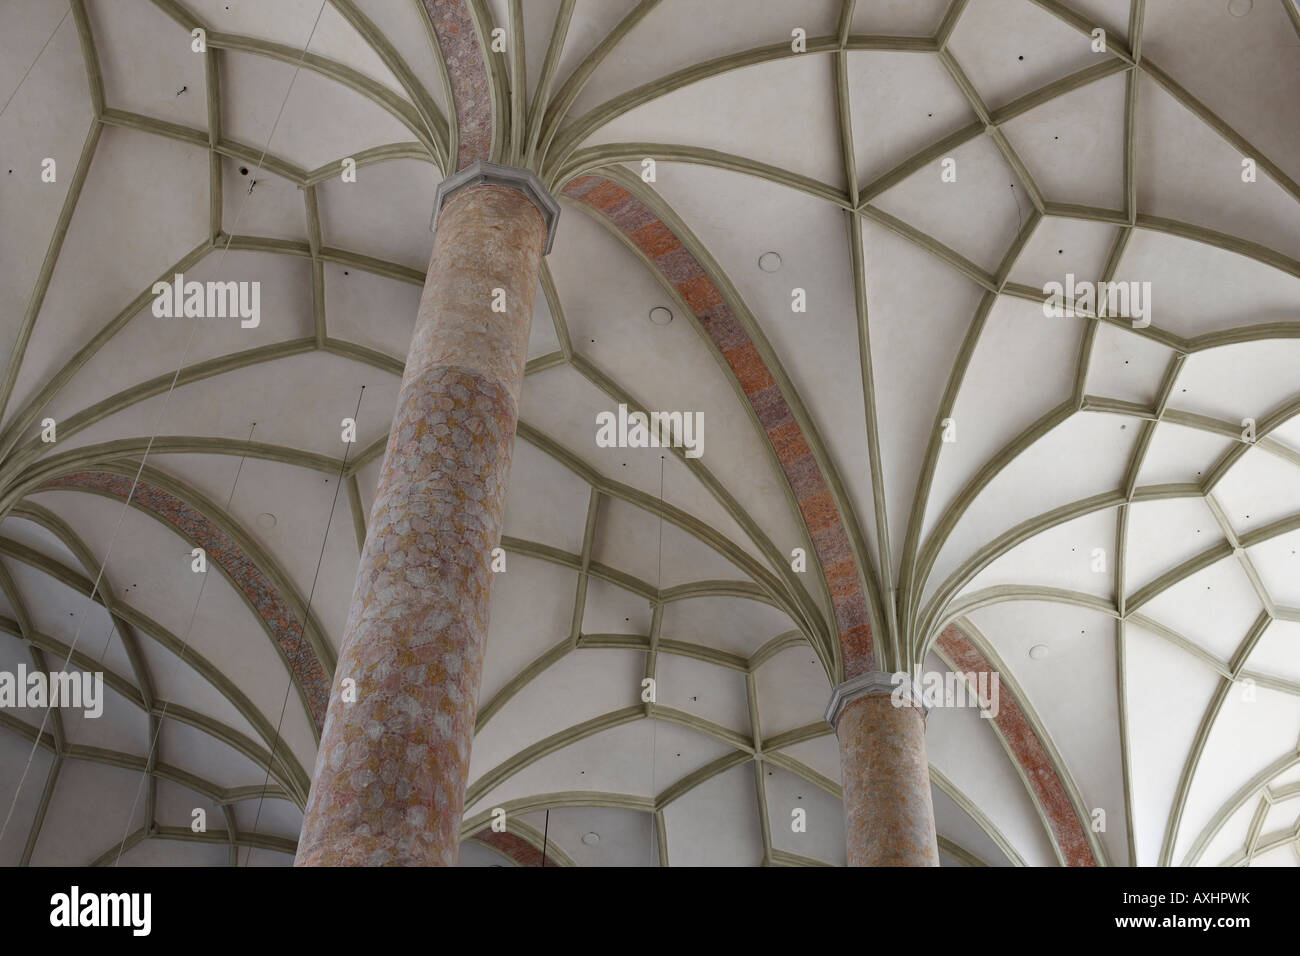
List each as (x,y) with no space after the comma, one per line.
(888,813)
(389,783)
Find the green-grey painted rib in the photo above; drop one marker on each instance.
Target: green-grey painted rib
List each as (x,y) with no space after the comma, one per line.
(1212,120)
(796,735)
(368,157)
(358,513)
(1221,240)
(553,303)
(35,450)
(62,531)
(404,112)
(929,552)
(812,434)
(687,522)
(958,852)
(265,564)
(1084,26)
(1125,750)
(910,584)
(1045,739)
(550,801)
(259,159)
(189,135)
(260,841)
(122,612)
(609,154)
(379,267)
(1066,84)
(287,771)
(1235,803)
(1004,543)
(34,831)
(693,779)
(582,127)
(968,806)
(949,22)
(512,765)
(708,727)
(43,277)
(1189,770)
(424,102)
(931,245)
(540,663)
(498,82)
(844,114)
(25,418)
(518,77)
(559,106)
(814,618)
(542,95)
(918,161)
(94,77)
(764,821)
(803,772)
(364,355)
(775,646)
(800,600)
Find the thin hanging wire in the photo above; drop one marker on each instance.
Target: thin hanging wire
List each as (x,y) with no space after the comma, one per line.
(180,660)
(546,833)
(306,613)
(153,435)
(307,610)
(34,62)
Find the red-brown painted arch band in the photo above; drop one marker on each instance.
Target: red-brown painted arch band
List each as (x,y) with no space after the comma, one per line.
(284,625)
(1066,826)
(471,93)
(825,526)
(515,847)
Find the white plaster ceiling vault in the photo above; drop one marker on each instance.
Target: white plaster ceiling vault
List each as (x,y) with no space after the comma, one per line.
(1170,693)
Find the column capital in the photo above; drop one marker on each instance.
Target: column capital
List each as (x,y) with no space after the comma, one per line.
(482,173)
(871,684)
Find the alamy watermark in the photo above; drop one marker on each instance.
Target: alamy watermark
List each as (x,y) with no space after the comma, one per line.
(951,689)
(626,429)
(1124,300)
(208,300)
(79,690)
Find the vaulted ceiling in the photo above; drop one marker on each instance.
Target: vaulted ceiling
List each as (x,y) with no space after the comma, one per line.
(969,479)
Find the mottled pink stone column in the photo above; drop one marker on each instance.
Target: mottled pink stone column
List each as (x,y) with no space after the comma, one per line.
(888,813)
(389,784)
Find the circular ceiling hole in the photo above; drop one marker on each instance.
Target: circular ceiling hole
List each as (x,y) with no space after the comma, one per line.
(1038,652)
(266,520)
(1020,58)
(660,316)
(591,839)
(1239,8)
(769,261)
(243,170)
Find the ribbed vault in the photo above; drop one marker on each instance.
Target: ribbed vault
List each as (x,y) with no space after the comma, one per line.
(1101,498)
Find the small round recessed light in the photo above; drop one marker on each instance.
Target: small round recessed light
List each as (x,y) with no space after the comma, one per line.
(661,316)
(591,839)
(266,520)
(1038,651)
(1239,8)
(769,261)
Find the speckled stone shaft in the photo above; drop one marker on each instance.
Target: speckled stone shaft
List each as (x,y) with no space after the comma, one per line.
(389,784)
(888,813)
